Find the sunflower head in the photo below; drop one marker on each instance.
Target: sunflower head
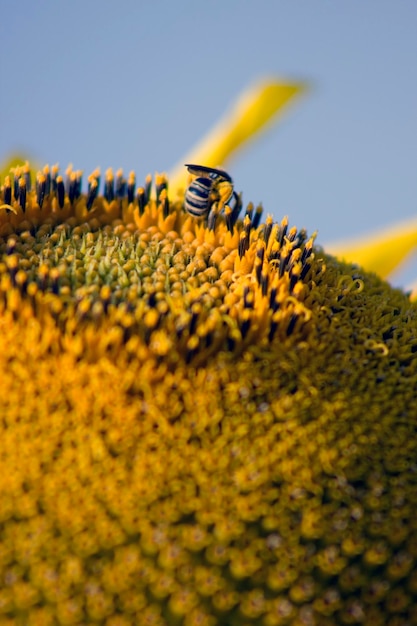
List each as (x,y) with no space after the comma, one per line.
(147,270)
(204,420)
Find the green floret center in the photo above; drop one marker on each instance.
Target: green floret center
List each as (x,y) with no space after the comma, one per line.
(201,287)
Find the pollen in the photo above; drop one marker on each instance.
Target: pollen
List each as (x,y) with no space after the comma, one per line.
(202,421)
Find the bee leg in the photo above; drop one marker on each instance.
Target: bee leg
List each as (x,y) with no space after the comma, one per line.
(225,191)
(237,207)
(237,200)
(212,216)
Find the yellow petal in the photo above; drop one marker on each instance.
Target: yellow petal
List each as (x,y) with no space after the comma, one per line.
(381,253)
(11,162)
(255,110)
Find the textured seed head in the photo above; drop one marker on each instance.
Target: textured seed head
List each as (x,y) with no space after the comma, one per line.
(198,425)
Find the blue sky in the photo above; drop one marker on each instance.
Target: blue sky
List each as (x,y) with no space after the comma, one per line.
(135,84)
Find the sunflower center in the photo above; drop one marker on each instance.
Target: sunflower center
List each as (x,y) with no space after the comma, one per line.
(149,269)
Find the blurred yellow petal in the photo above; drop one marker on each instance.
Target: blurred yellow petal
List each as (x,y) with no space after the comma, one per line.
(255,110)
(10,162)
(381,253)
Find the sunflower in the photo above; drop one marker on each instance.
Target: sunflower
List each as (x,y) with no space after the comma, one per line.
(203,421)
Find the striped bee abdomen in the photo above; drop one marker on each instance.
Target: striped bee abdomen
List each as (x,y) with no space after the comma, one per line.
(197,197)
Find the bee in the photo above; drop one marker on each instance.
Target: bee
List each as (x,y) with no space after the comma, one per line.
(211,186)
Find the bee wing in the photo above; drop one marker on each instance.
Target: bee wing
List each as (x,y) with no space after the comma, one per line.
(204,171)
